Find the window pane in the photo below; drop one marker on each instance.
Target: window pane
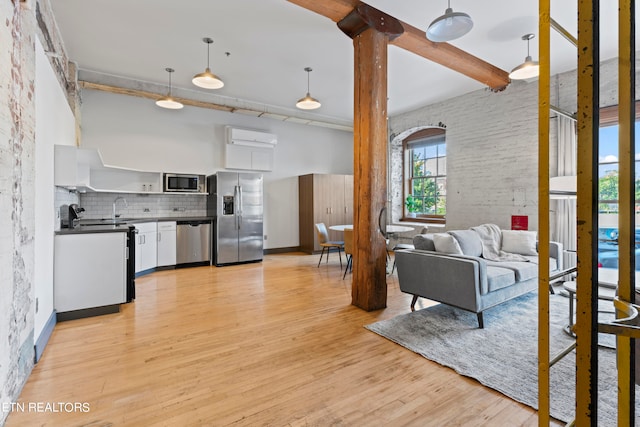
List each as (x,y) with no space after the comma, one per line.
(429,206)
(431,167)
(441,208)
(426,160)
(608,194)
(442,166)
(608,190)
(430,152)
(418,187)
(607,169)
(608,185)
(441,184)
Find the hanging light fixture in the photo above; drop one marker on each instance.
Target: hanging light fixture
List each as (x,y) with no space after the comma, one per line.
(449,26)
(207,80)
(308,102)
(529,68)
(168,101)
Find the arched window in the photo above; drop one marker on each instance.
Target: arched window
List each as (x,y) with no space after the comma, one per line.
(425,167)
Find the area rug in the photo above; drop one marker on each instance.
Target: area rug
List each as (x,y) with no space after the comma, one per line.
(504,355)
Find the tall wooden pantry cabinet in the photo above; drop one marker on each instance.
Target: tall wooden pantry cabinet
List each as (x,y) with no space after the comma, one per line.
(323,198)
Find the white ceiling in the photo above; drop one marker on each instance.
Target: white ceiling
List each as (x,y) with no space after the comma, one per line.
(271,41)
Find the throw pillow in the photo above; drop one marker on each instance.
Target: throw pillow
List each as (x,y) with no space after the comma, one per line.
(446,243)
(519,242)
(424,242)
(469,241)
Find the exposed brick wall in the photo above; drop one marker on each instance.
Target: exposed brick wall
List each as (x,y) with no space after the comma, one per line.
(491,154)
(22,23)
(17,197)
(492,148)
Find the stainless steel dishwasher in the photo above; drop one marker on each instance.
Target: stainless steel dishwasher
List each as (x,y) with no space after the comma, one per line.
(193,242)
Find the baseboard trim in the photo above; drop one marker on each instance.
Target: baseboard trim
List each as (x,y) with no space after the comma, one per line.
(43,339)
(88,312)
(281,250)
(143,272)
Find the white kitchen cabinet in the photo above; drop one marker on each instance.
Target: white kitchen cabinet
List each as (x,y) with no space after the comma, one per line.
(83,169)
(126,180)
(166,243)
(146,246)
(71,167)
(248,158)
(90,270)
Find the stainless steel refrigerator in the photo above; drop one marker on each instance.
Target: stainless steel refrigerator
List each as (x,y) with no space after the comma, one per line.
(235,202)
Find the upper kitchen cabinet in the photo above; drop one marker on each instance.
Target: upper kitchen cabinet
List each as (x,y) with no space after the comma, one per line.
(71,166)
(82,169)
(126,180)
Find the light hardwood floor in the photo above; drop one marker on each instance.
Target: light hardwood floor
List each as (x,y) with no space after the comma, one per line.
(276,343)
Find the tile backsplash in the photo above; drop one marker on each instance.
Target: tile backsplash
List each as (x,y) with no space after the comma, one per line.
(64,197)
(100,205)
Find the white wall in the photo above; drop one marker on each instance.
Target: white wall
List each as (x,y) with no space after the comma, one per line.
(133,132)
(54,124)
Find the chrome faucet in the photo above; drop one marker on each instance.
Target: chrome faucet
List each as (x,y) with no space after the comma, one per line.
(114,205)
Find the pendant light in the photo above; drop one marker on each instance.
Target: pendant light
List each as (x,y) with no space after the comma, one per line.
(450,26)
(308,102)
(529,68)
(207,80)
(168,101)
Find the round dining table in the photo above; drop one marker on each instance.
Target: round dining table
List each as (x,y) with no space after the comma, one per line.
(390,228)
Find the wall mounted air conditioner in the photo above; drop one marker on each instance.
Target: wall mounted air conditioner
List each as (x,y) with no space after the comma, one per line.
(251,138)
(249,149)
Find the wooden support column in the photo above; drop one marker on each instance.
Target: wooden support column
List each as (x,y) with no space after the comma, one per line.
(369,284)
(371,31)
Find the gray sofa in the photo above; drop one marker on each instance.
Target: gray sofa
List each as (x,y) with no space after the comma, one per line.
(466,279)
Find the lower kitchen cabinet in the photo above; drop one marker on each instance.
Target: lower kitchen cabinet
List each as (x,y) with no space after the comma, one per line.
(166,243)
(146,246)
(90,270)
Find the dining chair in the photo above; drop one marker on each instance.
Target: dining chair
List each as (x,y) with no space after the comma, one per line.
(326,244)
(348,250)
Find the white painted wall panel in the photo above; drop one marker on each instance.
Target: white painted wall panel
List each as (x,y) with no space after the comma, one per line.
(55,124)
(133,132)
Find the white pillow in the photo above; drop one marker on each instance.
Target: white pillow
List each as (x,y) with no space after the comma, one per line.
(519,242)
(446,244)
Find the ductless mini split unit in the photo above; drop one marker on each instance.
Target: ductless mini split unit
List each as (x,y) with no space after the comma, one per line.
(249,149)
(251,138)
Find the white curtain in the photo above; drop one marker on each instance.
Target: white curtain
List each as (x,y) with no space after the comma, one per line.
(566,208)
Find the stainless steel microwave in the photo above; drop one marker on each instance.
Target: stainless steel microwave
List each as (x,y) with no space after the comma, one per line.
(175,182)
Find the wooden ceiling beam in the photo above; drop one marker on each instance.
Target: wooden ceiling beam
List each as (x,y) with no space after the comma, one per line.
(151,95)
(332,9)
(415,40)
(363,17)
